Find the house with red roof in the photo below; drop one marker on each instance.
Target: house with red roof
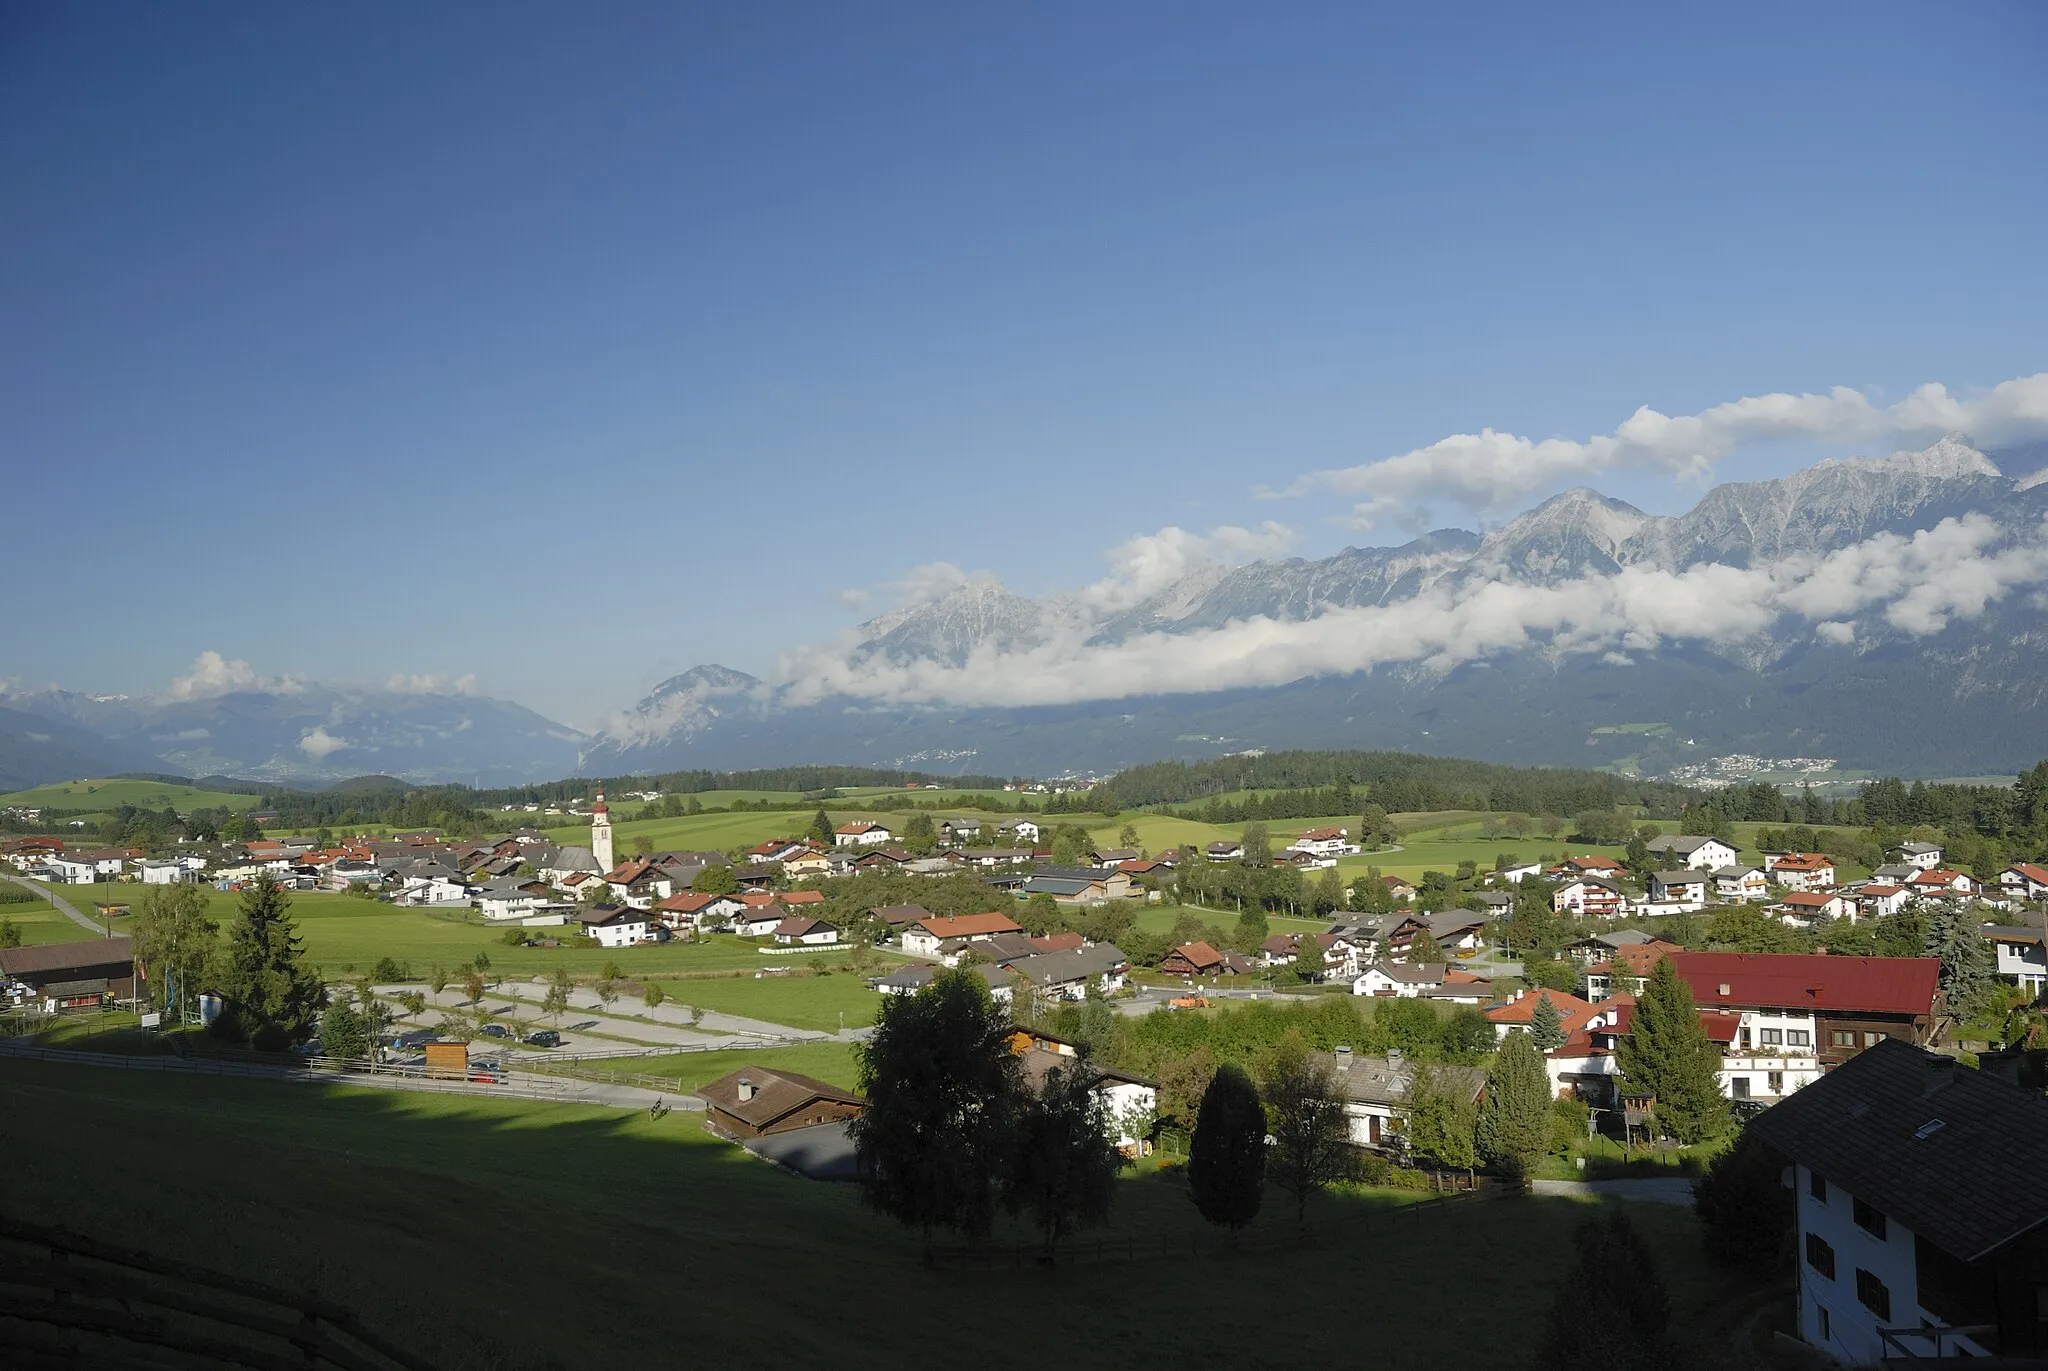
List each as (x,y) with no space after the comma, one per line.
(1805,908)
(1940,880)
(925,937)
(1840,1005)
(2025,881)
(861,833)
(1325,842)
(1879,898)
(1800,870)
(1200,959)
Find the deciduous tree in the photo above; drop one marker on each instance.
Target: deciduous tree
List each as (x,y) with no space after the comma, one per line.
(1440,1118)
(1311,1139)
(1062,1166)
(175,937)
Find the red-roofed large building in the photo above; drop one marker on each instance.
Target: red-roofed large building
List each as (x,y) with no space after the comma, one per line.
(1325,842)
(1845,1004)
(1942,881)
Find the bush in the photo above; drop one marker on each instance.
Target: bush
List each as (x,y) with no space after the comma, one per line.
(388,970)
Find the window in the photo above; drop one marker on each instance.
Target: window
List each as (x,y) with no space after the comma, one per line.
(1869,1219)
(1740,1085)
(1819,1255)
(1777,1082)
(1817,1186)
(1842,1037)
(1798,1037)
(1771,1037)
(1871,1293)
(1826,1332)
(1872,1039)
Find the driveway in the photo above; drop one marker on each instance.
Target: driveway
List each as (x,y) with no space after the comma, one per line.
(823,1153)
(1649,1190)
(63,905)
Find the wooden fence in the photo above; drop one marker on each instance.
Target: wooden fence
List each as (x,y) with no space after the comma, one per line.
(77,1300)
(1196,1242)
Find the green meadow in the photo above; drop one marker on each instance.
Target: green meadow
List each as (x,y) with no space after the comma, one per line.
(488,1233)
(109,795)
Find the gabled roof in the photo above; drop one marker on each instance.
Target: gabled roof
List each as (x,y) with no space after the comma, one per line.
(969,925)
(1809,899)
(1953,1154)
(1685,844)
(797,925)
(1059,968)
(777,1094)
(1687,877)
(859,826)
(1804,861)
(1198,954)
(2036,874)
(87,954)
(900,915)
(1873,985)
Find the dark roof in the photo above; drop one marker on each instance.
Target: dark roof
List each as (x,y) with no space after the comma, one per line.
(776,1094)
(1058,968)
(1953,1154)
(89,954)
(1058,885)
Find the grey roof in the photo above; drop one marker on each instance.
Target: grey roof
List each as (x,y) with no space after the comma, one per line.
(1379,1080)
(2011,933)
(1917,848)
(1413,973)
(575,859)
(1056,885)
(1898,871)
(1953,1154)
(1073,873)
(1680,877)
(1685,844)
(1734,873)
(918,975)
(1057,968)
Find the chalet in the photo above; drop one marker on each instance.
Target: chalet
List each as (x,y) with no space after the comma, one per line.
(1325,842)
(1124,1098)
(1846,1004)
(621,926)
(2022,956)
(800,930)
(1018,830)
(1200,959)
(1687,888)
(1453,930)
(1922,1220)
(1694,851)
(73,975)
(1224,850)
(1519,1012)
(754,1102)
(1940,881)
(695,909)
(1741,884)
(883,859)
(1925,856)
(1589,897)
(1304,861)
(2025,881)
(924,937)
(1800,870)
(1106,858)
(758,920)
(1399,890)
(861,833)
(1374,1090)
(1071,974)
(1806,908)
(1391,980)
(1875,900)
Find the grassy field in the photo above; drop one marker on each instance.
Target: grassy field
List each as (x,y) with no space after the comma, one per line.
(110,795)
(487,1233)
(814,1002)
(40,922)
(829,1062)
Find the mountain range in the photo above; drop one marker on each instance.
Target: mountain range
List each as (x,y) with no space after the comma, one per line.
(1887,613)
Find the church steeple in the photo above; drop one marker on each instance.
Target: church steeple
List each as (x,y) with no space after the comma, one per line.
(601,833)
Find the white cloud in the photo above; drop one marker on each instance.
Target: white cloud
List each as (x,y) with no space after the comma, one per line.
(430,684)
(213,674)
(319,743)
(1151,562)
(1917,585)
(1492,473)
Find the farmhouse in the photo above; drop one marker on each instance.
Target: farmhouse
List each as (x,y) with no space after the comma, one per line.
(1693,850)
(800,930)
(73,975)
(1200,959)
(2022,957)
(924,938)
(619,927)
(861,833)
(1922,1219)
(1800,870)
(754,1102)
(1847,1004)
(1070,974)
(2024,880)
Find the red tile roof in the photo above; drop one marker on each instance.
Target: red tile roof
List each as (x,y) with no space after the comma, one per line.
(2036,874)
(970,926)
(1803,861)
(1873,985)
(1059,942)
(1572,1012)
(803,897)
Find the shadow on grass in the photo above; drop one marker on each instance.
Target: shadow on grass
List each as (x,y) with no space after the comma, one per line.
(499,1233)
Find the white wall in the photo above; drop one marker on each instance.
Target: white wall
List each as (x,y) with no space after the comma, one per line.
(1852,1329)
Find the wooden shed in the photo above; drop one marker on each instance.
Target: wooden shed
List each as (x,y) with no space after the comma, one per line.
(448,1061)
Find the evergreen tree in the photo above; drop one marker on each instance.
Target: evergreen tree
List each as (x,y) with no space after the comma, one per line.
(1514,1119)
(1227,1159)
(1969,972)
(1669,1055)
(821,827)
(940,1082)
(1611,1309)
(271,997)
(1311,1139)
(1637,857)
(343,1032)
(1546,1025)
(1252,929)
(1062,1171)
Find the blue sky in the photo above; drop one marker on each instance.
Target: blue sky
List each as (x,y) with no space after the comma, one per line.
(571,346)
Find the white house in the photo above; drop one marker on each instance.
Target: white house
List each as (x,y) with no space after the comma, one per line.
(73,870)
(1745,884)
(1128,1102)
(502,901)
(1325,842)
(165,873)
(2025,881)
(1374,1091)
(1940,881)
(861,833)
(1224,850)
(801,930)
(2022,955)
(1926,856)
(1070,973)
(758,921)
(1022,830)
(1809,907)
(1800,870)
(1515,875)
(1686,890)
(1911,1176)
(622,927)
(1405,981)
(1697,852)
(923,938)
(1877,900)
(1589,897)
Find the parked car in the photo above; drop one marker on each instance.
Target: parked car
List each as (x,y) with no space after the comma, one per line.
(496,1030)
(543,1037)
(486,1072)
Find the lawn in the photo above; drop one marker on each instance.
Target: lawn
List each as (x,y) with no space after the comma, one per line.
(814,1002)
(486,1233)
(40,922)
(828,1062)
(110,795)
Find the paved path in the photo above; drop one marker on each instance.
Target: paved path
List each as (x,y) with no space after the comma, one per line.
(63,905)
(1653,1190)
(520,1003)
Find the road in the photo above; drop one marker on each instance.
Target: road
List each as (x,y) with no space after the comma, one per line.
(63,905)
